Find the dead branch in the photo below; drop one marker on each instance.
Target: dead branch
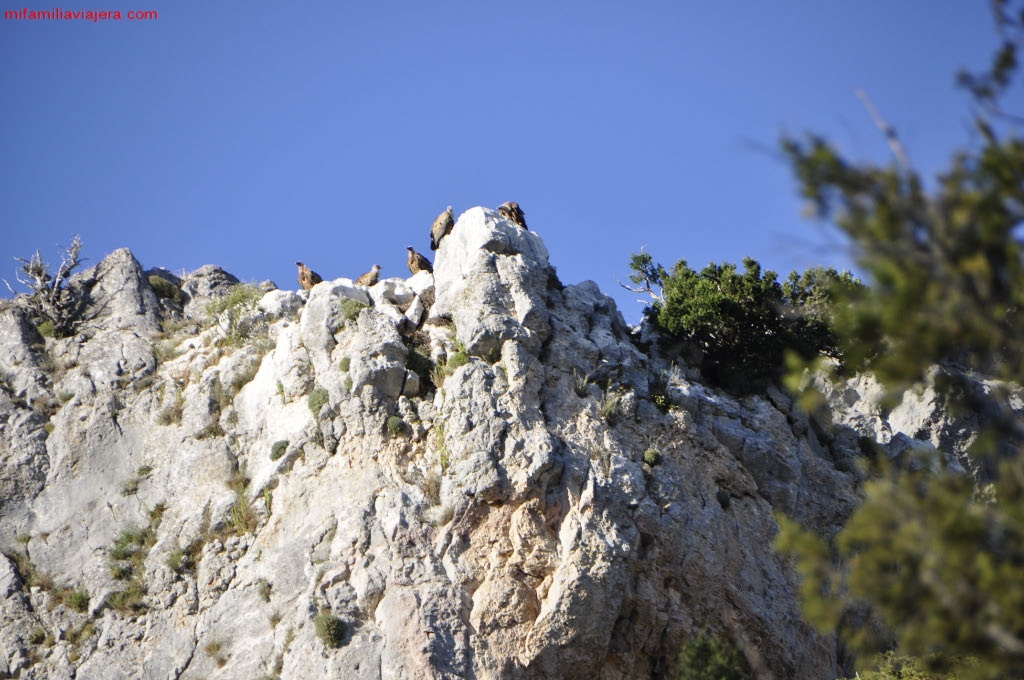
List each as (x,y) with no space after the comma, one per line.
(890,133)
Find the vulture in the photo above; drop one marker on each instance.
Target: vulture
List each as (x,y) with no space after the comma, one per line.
(511,210)
(307,277)
(417,263)
(442,227)
(370,277)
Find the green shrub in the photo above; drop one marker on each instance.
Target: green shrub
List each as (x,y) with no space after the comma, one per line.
(330,629)
(129,600)
(459,357)
(77,636)
(79,600)
(166,289)
(652,457)
(46,329)
(179,561)
(351,308)
(608,409)
(130,542)
(743,325)
(348,383)
(345,364)
(242,517)
(240,295)
(396,426)
(37,636)
(278,449)
(706,657)
(239,306)
(317,399)
(581,383)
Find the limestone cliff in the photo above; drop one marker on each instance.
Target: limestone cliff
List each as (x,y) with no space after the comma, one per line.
(482,473)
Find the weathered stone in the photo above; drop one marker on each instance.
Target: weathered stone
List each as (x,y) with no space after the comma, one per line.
(537,516)
(205,285)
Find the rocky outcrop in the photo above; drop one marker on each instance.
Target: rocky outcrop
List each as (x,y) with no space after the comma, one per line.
(471,474)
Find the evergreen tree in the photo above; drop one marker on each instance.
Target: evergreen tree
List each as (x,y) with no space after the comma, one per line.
(935,558)
(742,325)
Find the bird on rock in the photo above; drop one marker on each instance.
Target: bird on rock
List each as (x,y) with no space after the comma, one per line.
(511,210)
(441,227)
(307,277)
(370,277)
(417,263)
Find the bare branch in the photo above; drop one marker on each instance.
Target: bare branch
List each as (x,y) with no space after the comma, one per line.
(49,297)
(657,297)
(890,133)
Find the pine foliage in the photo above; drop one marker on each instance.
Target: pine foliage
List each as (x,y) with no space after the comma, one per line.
(931,566)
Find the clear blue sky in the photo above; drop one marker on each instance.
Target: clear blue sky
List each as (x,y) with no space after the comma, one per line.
(253,134)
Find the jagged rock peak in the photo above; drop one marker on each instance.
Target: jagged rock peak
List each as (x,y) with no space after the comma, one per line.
(475,473)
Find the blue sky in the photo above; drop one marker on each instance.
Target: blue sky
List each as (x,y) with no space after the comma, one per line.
(253,134)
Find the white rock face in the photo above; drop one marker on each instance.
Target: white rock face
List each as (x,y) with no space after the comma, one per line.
(226,507)
(490,278)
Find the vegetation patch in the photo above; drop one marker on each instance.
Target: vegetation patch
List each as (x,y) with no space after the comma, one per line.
(740,326)
(610,407)
(53,305)
(420,364)
(330,629)
(166,290)
(31,576)
(215,650)
(77,599)
(126,560)
(173,413)
(706,656)
(242,516)
(240,315)
(396,426)
(278,449)
(210,431)
(442,448)
(317,399)
(351,308)
(460,357)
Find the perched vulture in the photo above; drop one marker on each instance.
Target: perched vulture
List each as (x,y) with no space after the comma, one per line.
(511,210)
(441,227)
(417,263)
(307,277)
(370,277)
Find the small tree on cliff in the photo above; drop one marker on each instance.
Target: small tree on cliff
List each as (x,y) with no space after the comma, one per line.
(742,324)
(49,300)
